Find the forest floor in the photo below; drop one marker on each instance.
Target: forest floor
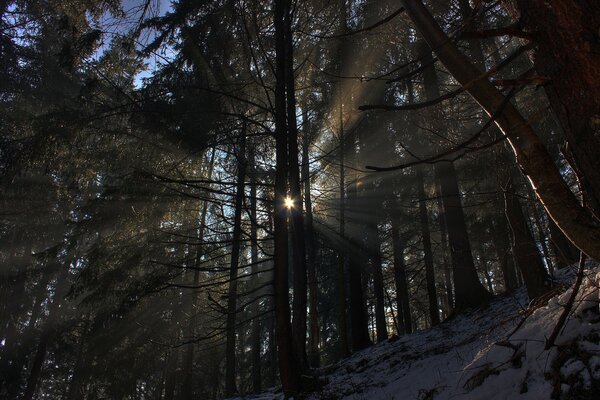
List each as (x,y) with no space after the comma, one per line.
(496,352)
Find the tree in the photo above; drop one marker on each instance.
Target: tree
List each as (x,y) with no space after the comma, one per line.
(535,162)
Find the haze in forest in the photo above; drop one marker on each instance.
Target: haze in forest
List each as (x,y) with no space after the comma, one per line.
(211,199)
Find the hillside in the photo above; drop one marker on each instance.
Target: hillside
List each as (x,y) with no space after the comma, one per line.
(496,352)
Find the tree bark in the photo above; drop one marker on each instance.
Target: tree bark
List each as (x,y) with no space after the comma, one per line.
(342,324)
(297,217)
(427,252)
(49,330)
(372,244)
(503,251)
(444,250)
(288,364)
(314,359)
(402,299)
(564,252)
(359,323)
(230,358)
(256,325)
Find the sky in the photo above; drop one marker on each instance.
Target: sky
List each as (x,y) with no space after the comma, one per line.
(115,26)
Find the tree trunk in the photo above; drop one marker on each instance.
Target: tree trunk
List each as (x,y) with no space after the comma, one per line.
(288,364)
(402,299)
(230,359)
(187,386)
(311,244)
(564,252)
(428,253)
(503,251)
(468,290)
(533,158)
(49,330)
(297,217)
(524,248)
(372,203)
(359,323)
(81,369)
(256,325)
(342,324)
(444,250)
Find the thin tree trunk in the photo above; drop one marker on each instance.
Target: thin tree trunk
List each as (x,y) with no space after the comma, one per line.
(342,324)
(359,322)
(542,238)
(256,326)
(428,253)
(81,367)
(468,290)
(297,217)
(533,158)
(564,252)
(402,299)
(444,250)
(311,244)
(503,251)
(230,359)
(288,365)
(49,330)
(371,205)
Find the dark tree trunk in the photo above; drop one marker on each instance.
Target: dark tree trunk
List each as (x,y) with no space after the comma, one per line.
(344,65)
(468,290)
(503,251)
(342,324)
(311,249)
(49,330)
(372,204)
(81,369)
(427,252)
(444,250)
(256,325)
(297,218)
(524,248)
(230,359)
(402,299)
(288,363)
(359,323)
(564,252)
(541,237)
(36,366)
(171,372)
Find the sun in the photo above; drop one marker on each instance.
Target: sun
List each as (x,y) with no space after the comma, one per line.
(288,202)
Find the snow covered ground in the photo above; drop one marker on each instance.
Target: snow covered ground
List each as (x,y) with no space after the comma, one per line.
(482,355)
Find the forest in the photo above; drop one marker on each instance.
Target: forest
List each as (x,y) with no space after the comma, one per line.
(210,199)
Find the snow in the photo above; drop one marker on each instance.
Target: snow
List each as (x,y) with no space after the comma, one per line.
(479,355)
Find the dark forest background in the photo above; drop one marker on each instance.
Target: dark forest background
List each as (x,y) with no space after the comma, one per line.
(209,198)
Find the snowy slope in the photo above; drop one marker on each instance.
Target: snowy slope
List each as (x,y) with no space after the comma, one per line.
(479,355)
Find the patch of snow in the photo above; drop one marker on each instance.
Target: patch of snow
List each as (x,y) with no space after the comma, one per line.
(481,355)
